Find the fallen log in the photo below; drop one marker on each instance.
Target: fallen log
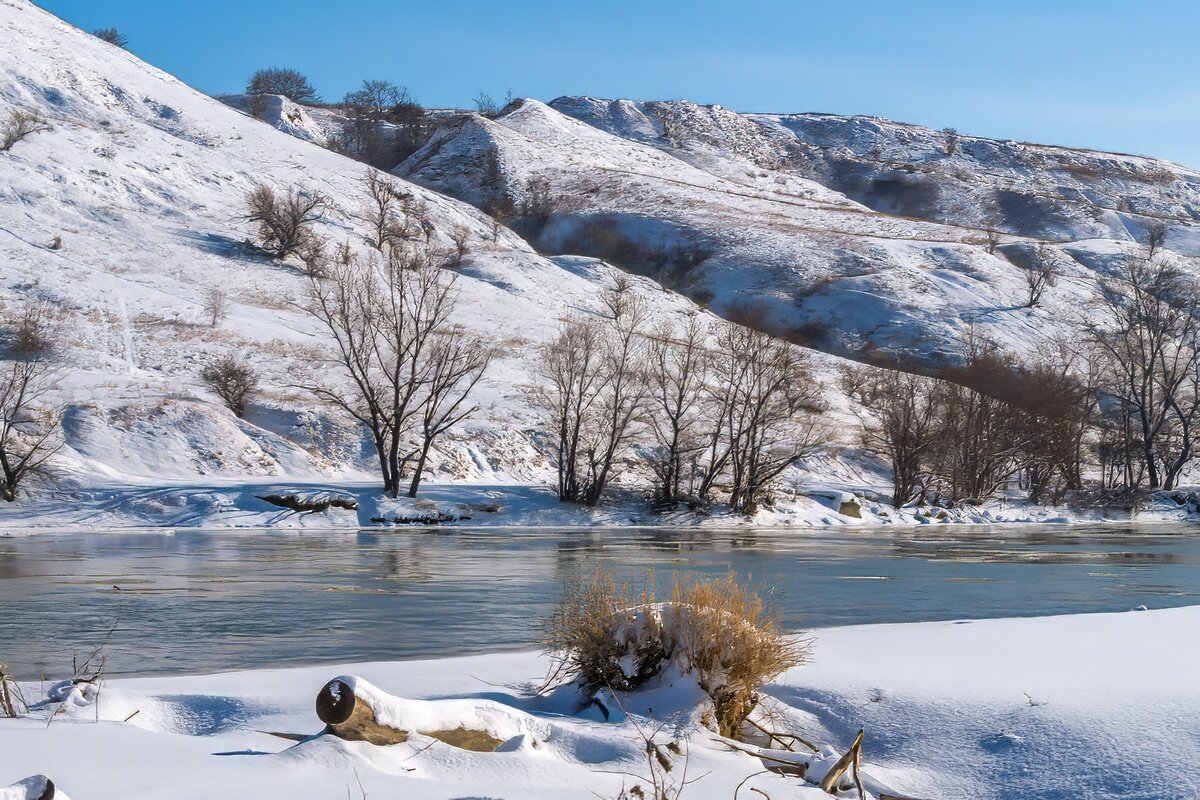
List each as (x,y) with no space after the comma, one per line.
(348,715)
(830,781)
(37,787)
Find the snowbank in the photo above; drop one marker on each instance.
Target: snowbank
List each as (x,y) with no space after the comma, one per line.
(1097,706)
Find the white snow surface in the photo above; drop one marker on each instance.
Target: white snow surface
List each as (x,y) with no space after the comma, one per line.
(1085,706)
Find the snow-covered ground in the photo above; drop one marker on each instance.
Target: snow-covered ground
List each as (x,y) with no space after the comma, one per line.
(1086,706)
(235,503)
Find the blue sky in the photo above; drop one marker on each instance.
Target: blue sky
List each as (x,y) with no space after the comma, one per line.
(1112,75)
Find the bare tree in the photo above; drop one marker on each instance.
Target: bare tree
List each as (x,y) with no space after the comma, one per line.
(386,211)
(623,400)
(377,98)
(28,427)
(770,414)
(216,306)
(1042,273)
(1156,238)
(387,319)
(1153,357)
(232,380)
(980,439)
(112,36)
(280,80)
(19,125)
(457,363)
(569,363)
(677,378)
(596,392)
(285,220)
(382,123)
(900,416)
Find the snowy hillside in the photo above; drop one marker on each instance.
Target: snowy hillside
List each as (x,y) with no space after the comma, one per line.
(127,215)
(1021,188)
(130,210)
(860,237)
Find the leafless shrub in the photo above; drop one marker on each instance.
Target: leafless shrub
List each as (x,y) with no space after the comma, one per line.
(232,380)
(949,141)
(112,36)
(215,306)
(602,637)
(489,107)
(386,211)
(18,126)
(460,235)
(284,220)
(1042,274)
(314,253)
(31,334)
(993,240)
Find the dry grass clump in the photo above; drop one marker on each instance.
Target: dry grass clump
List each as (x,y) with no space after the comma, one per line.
(715,630)
(725,636)
(12,703)
(603,639)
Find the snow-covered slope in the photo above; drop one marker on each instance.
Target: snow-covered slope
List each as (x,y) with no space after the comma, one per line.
(746,215)
(1028,189)
(124,215)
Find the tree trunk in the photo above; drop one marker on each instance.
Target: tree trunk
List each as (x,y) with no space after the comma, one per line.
(418,470)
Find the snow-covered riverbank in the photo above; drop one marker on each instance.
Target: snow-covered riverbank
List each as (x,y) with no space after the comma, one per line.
(231,504)
(1096,706)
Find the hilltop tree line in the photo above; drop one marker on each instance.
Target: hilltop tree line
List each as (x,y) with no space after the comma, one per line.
(382,124)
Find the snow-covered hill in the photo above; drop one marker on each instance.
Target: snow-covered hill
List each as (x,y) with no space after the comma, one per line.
(124,216)
(130,210)
(858,236)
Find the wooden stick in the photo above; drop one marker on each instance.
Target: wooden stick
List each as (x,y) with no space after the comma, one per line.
(858,773)
(770,736)
(829,782)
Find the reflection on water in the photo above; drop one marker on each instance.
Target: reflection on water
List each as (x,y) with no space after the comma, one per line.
(203,601)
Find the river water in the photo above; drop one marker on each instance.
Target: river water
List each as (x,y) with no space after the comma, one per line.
(201,601)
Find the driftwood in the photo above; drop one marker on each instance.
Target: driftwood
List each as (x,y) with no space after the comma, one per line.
(852,757)
(37,787)
(295,503)
(348,716)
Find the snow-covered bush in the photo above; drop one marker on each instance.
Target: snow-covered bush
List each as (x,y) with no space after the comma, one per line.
(716,631)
